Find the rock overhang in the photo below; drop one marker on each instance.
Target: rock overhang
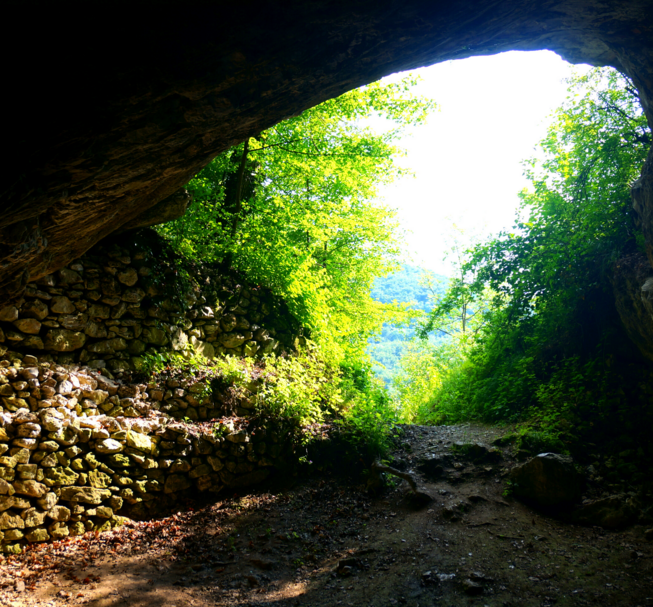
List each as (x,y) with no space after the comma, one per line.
(112,113)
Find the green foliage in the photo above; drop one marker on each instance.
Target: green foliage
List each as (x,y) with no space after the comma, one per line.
(411,285)
(461,312)
(155,362)
(293,209)
(578,218)
(540,441)
(368,415)
(300,387)
(549,347)
(428,367)
(508,489)
(419,376)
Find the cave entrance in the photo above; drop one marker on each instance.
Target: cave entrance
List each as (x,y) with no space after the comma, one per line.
(467,163)
(590,297)
(132,122)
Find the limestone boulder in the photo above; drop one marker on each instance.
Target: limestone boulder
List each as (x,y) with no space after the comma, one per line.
(109,346)
(232,340)
(86,495)
(99,311)
(11,520)
(33,342)
(74,322)
(9,313)
(62,305)
(31,326)
(68,277)
(548,480)
(202,347)
(63,340)
(37,535)
(155,336)
(228,322)
(35,309)
(178,340)
(30,488)
(128,277)
(96,330)
(33,517)
(6,502)
(133,295)
(140,442)
(60,476)
(48,501)
(109,446)
(175,483)
(110,286)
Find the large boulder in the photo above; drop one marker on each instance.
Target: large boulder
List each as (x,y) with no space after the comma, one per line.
(548,480)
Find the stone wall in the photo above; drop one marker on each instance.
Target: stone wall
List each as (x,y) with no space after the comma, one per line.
(79,450)
(82,445)
(109,307)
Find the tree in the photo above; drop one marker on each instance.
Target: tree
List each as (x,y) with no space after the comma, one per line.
(551,305)
(293,208)
(460,312)
(578,218)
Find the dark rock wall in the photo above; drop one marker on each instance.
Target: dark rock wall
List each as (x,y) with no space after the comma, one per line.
(632,284)
(111,108)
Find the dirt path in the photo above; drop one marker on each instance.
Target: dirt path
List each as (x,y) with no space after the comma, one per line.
(323,542)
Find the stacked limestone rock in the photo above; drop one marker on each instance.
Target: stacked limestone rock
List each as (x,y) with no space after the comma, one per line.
(78,450)
(108,308)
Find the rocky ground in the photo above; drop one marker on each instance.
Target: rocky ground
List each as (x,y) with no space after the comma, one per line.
(324,541)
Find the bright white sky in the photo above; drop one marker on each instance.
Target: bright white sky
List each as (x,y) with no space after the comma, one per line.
(493,112)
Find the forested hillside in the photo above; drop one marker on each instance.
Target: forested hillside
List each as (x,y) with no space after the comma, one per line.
(412,285)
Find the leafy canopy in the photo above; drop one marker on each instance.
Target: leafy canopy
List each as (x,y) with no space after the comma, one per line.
(293,208)
(550,312)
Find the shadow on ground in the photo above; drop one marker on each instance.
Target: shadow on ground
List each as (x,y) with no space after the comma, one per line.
(325,541)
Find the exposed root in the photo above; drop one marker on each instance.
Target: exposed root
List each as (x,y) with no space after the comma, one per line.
(422,497)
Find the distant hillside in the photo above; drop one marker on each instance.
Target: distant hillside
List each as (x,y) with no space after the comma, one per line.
(402,286)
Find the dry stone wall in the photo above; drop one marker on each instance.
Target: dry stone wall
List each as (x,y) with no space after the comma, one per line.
(79,451)
(82,446)
(110,307)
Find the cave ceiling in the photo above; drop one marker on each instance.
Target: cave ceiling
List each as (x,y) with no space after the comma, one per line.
(111,107)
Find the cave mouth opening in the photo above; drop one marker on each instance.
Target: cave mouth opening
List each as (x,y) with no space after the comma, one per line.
(132,122)
(493,110)
(462,178)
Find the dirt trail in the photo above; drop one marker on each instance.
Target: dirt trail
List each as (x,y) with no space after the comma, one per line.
(323,542)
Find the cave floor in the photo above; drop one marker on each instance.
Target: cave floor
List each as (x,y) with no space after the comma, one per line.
(324,541)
